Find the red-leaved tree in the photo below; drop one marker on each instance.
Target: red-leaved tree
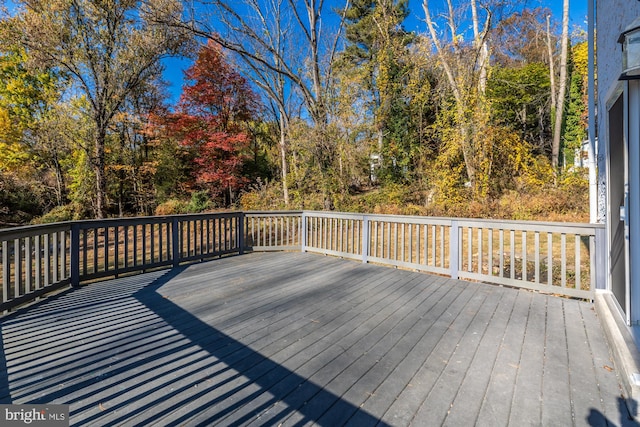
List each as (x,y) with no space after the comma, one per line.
(211,121)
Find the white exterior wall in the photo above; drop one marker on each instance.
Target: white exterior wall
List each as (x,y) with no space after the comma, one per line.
(612,17)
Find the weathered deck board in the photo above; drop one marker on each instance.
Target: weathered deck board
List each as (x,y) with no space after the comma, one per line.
(293,339)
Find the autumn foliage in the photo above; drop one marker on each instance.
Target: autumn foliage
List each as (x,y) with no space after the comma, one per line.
(454,118)
(211,122)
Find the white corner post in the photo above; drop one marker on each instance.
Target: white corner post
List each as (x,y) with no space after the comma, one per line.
(633,126)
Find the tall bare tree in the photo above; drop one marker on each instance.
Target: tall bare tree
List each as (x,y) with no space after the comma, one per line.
(273,17)
(465,68)
(562,86)
(552,72)
(252,30)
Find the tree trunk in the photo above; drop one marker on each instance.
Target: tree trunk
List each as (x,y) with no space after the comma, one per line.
(552,72)
(60,187)
(99,171)
(283,159)
(562,88)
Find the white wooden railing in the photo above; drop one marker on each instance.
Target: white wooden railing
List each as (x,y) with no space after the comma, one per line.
(557,258)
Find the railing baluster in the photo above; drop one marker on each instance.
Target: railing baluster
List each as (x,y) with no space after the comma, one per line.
(402,243)
(433,246)
(56,257)
(282,230)
(106,249)
(219,236)
(536,238)
(512,250)
(479,250)
(442,251)
(577,261)
(28,266)
(395,242)
(289,227)
(375,238)
(175,242)
(563,257)
(143,243)
(152,238)
(126,245)
(95,250)
(116,249)
(6,271)
(325,237)
(17,267)
(425,243)
(490,252)
(47,260)
(167,240)
(549,259)
(202,250)
(469,249)
(592,261)
(501,237)
(38,261)
(418,244)
(524,255)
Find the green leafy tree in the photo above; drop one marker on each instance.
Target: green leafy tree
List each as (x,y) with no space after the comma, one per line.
(25,98)
(377,54)
(33,121)
(576,122)
(519,100)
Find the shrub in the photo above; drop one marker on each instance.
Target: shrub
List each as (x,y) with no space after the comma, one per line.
(264,196)
(60,214)
(172,207)
(200,201)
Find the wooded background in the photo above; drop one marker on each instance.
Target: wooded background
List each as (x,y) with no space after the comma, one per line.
(291,104)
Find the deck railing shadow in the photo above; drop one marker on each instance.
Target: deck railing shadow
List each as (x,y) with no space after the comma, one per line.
(5,396)
(111,377)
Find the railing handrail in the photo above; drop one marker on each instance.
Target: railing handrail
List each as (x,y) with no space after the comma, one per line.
(447,220)
(32,230)
(46,256)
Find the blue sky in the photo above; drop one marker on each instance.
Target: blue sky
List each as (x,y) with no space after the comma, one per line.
(175,67)
(578,18)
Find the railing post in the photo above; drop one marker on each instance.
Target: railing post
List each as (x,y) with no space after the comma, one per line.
(303,237)
(75,254)
(175,241)
(240,231)
(365,239)
(454,249)
(600,263)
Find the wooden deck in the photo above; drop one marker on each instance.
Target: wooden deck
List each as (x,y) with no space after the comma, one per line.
(295,338)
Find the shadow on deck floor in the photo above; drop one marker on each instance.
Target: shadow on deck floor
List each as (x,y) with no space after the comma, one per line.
(294,339)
